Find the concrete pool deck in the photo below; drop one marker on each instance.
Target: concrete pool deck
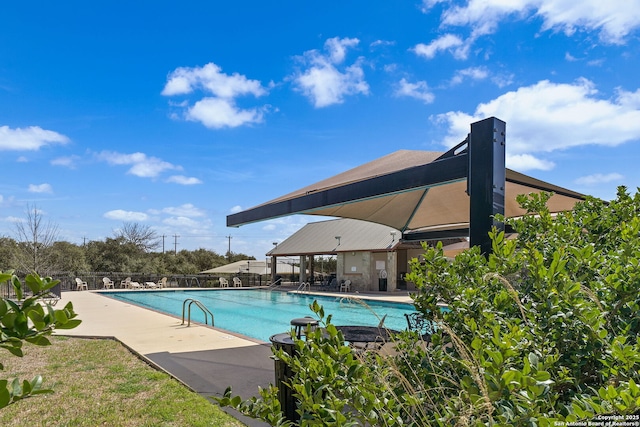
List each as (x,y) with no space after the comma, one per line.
(206,359)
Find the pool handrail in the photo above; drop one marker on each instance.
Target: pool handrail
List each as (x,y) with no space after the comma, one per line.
(201,306)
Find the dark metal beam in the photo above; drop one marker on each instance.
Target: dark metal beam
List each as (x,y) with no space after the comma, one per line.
(437,172)
(487,180)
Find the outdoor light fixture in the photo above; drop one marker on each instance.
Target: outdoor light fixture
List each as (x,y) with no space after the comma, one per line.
(338,239)
(393,236)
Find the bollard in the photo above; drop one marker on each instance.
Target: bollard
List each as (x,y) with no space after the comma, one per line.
(283,374)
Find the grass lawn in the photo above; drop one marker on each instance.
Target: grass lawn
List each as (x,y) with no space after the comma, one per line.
(100,383)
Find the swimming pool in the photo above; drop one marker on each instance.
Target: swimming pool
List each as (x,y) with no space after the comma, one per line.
(260,313)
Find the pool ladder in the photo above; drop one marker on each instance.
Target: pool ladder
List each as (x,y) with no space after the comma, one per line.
(201,306)
(304,286)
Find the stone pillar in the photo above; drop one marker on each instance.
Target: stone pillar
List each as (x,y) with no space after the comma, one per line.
(274,273)
(392,271)
(303,268)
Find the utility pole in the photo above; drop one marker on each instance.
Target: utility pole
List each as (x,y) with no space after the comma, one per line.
(163,236)
(175,244)
(229,250)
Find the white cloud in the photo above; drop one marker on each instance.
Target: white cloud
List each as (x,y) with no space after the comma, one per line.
(218,113)
(449,42)
(181,221)
(220,110)
(69,161)
(338,48)
(210,78)
(187,210)
(524,162)
(547,116)
(236,209)
(382,43)
(322,82)
(419,90)
(613,20)
(184,180)
(599,178)
(40,188)
(28,139)
(141,165)
(122,215)
(473,73)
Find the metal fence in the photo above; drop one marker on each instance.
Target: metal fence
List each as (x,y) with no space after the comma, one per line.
(94,280)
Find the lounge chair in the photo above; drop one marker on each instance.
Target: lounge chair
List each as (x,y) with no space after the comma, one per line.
(332,286)
(345,286)
(107,283)
(150,285)
(162,283)
(81,285)
(237,282)
(224,283)
(135,285)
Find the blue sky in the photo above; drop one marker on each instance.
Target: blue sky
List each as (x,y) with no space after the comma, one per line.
(176,114)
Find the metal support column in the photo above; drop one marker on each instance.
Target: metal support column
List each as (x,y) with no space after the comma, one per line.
(486,180)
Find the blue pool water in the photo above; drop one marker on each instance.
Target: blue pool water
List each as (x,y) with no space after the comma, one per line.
(260,314)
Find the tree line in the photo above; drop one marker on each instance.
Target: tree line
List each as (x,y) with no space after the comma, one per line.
(36,247)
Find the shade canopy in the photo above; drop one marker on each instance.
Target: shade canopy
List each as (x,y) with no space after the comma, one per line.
(252,267)
(421,193)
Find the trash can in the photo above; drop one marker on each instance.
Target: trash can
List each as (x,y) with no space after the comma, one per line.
(283,374)
(382,280)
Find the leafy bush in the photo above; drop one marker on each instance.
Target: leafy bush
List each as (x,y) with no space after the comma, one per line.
(28,319)
(542,332)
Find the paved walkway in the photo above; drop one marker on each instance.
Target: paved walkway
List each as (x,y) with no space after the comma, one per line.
(206,359)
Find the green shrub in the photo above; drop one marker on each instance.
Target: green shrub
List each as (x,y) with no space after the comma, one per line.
(28,319)
(542,332)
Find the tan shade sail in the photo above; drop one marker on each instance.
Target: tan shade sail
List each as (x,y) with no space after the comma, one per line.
(429,208)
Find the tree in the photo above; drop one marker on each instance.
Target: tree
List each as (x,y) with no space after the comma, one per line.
(142,236)
(28,319)
(35,239)
(8,251)
(115,254)
(69,257)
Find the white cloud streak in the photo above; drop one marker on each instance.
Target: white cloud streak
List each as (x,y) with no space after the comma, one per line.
(141,165)
(127,216)
(28,139)
(448,42)
(473,73)
(599,178)
(419,90)
(40,188)
(547,117)
(613,20)
(183,180)
(188,210)
(324,82)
